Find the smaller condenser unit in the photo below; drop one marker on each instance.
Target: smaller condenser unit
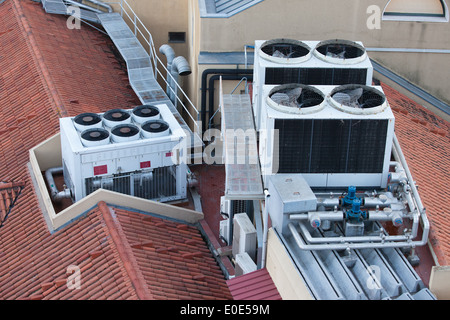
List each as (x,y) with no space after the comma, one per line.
(335,136)
(317,63)
(244,264)
(244,236)
(136,152)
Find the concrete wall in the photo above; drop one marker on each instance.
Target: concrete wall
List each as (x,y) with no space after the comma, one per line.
(440,282)
(284,274)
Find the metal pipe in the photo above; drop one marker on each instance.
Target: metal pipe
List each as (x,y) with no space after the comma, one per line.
(204,88)
(102,4)
(180,67)
(265,228)
(363,239)
(55,194)
(398,154)
(343,246)
(168,51)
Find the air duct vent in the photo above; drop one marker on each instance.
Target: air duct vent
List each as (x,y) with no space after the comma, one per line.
(95,137)
(285,51)
(86,121)
(125,132)
(114,117)
(144,113)
(296,98)
(340,51)
(155,128)
(358,99)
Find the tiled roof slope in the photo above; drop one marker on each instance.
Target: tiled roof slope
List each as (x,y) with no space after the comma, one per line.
(425,141)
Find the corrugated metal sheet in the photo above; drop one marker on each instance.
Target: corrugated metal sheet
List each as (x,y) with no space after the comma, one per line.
(257,285)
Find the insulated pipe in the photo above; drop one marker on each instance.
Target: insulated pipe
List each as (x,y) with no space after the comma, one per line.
(398,155)
(204,88)
(167,50)
(265,230)
(363,239)
(55,194)
(343,246)
(180,67)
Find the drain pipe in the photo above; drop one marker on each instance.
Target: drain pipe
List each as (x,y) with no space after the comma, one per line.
(180,67)
(55,194)
(167,50)
(266,228)
(204,87)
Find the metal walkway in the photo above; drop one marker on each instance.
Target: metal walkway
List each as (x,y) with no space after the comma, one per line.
(243,174)
(139,62)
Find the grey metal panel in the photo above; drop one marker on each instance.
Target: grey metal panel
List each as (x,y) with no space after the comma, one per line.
(388,278)
(403,268)
(424,294)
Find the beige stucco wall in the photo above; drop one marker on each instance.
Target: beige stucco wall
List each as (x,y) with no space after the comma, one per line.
(284,274)
(305,20)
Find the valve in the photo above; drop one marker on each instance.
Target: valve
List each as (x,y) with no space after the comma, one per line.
(355,214)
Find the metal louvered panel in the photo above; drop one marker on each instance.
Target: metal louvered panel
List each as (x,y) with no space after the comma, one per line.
(152,185)
(315,76)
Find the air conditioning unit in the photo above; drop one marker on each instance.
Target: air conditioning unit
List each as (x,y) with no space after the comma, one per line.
(244,264)
(244,236)
(136,152)
(224,230)
(330,62)
(335,136)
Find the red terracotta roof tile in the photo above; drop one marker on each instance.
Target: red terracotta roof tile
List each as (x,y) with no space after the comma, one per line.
(424,139)
(256,285)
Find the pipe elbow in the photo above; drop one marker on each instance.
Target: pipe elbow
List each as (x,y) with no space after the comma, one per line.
(181,67)
(168,51)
